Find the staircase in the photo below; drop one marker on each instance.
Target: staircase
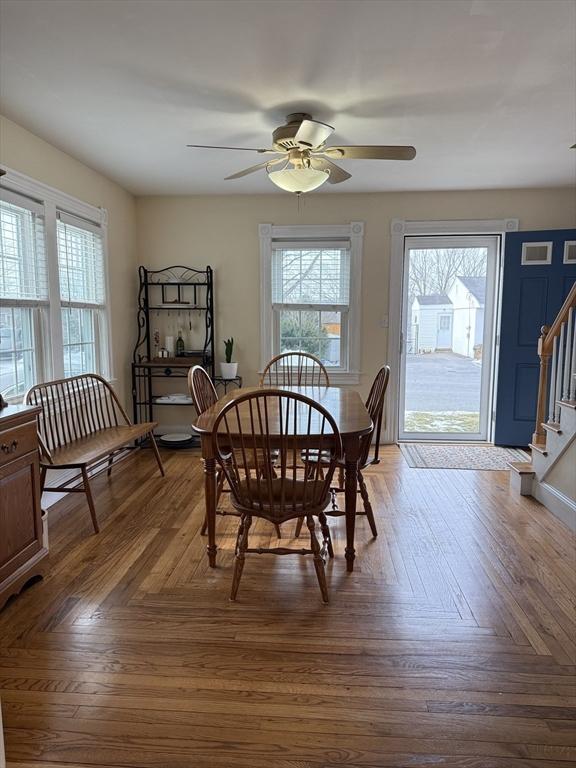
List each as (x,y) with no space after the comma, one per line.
(551,474)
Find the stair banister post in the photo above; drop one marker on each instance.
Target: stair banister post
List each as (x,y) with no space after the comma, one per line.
(568,357)
(539,435)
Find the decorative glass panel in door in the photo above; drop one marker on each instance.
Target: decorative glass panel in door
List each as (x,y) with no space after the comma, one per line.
(448,338)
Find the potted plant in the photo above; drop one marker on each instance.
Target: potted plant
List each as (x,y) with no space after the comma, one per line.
(229,369)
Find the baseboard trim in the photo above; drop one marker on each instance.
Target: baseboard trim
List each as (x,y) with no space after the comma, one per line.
(554,500)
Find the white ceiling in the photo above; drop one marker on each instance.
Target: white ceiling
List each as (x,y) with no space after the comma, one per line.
(485,89)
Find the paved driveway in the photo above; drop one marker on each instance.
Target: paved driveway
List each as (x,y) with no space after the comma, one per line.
(442,381)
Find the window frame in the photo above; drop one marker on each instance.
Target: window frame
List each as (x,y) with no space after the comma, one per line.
(50,347)
(350,343)
(37,307)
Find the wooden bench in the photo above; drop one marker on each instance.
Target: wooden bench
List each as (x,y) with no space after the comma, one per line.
(83,427)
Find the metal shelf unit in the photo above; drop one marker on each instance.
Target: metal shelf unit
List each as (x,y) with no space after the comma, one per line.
(178,289)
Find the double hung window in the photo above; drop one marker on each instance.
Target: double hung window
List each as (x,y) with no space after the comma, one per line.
(82,295)
(310,300)
(53,308)
(310,289)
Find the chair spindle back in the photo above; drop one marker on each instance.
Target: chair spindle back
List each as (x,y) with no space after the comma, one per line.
(259,438)
(74,408)
(295,369)
(375,407)
(202,390)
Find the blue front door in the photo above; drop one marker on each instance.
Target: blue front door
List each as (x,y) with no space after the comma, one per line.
(532,295)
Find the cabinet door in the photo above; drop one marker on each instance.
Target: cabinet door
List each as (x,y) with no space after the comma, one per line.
(20,514)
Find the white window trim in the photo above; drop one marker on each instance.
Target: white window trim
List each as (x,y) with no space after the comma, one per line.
(400,229)
(53,200)
(354,232)
(526,262)
(567,245)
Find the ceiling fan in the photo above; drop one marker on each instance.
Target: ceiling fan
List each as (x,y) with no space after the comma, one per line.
(305,162)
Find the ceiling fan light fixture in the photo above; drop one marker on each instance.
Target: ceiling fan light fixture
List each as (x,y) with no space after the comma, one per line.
(298,180)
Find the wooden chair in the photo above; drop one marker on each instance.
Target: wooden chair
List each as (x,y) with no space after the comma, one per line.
(375,407)
(204,395)
(83,427)
(295,369)
(250,428)
(201,387)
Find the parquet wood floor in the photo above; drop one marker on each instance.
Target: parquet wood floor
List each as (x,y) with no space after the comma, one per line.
(452,643)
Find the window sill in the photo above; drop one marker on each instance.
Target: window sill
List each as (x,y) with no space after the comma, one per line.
(338,378)
(344,377)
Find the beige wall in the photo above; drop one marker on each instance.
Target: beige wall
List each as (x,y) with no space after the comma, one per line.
(223,231)
(22,151)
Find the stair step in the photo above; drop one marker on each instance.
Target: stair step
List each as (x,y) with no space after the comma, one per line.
(521,467)
(552,426)
(567,403)
(521,477)
(539,447)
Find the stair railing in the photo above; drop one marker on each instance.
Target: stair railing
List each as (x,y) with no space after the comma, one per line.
(557,344)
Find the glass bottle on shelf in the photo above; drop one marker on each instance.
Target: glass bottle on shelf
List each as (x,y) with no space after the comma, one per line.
(156,343)
(180,349)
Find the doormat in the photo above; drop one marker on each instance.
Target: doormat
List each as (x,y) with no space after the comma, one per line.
(436,456)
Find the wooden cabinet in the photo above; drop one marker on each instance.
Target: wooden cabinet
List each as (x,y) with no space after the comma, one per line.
(23,531)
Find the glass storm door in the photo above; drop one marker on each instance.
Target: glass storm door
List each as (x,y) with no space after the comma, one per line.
(446,366)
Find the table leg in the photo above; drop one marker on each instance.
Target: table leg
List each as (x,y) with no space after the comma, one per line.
(210,500)
(351,454)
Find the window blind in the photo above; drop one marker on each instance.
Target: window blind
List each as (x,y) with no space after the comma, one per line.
(311,273)
(23,268)
(80,261)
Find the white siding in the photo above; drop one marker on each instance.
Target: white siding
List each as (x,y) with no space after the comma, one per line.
(468,320)
(428,325)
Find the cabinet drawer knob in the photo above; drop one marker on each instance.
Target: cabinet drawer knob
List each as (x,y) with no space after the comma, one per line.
(9,448)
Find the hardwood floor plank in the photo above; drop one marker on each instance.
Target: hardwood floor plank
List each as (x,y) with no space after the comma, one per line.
(451,644)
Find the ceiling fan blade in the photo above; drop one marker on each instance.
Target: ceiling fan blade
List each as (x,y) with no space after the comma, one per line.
(311,133)
(239,149)
(337,174)
(375,152)
(254,168)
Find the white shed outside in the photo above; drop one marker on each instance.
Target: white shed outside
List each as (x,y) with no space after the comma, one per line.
(431,323)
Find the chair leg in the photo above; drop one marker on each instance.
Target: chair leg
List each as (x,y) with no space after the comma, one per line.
(219,485)
(156,453)
(110,460)
(318,561)
(299,524)
(88,492)
(340,478)
(326,533)
(241,547)
(278,531)
(367,505)
(334,501)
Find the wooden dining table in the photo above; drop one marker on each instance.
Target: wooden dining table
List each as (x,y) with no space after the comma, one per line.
(353,421)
